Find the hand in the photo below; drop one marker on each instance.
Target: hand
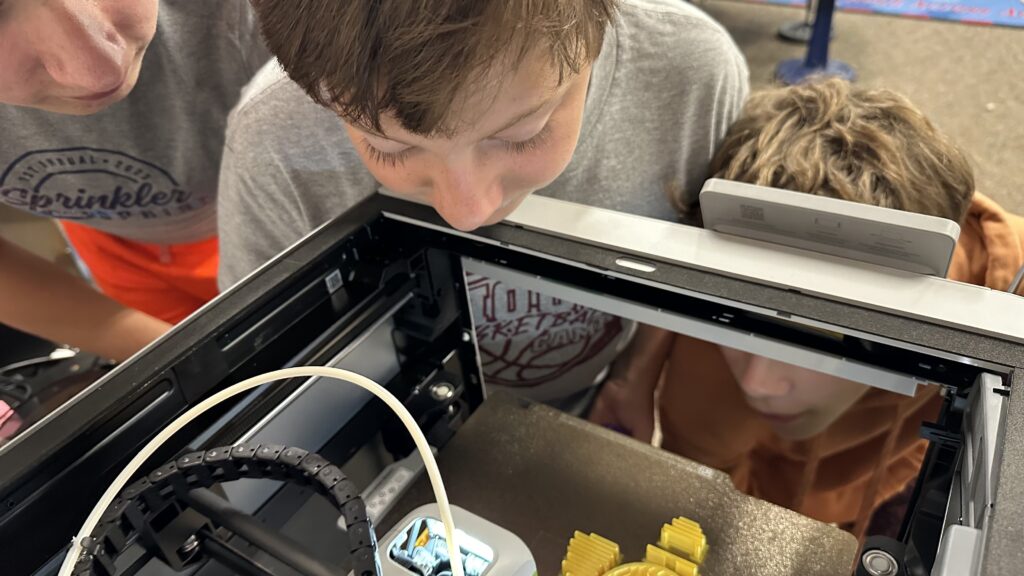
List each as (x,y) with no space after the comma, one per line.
(624,407)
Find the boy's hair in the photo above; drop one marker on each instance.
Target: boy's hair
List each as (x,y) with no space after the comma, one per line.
(832,139)
(414,58)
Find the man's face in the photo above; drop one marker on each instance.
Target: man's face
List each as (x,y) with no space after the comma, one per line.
(511,140)
(72,56)
(798,403)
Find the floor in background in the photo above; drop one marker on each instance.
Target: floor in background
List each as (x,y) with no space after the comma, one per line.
(981,12)
(968,79)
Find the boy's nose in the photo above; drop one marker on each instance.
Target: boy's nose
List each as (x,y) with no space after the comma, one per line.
(78,47)
(763,379)
(467,199)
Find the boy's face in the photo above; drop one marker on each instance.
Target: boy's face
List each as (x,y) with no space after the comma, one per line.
(72,56)
(797,402)
(512,139)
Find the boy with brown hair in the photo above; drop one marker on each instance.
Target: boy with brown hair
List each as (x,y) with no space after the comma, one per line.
(829,448)
(470,106)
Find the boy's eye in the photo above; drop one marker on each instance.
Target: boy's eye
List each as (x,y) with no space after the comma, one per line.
(387,159)
(528,145)
(394,159)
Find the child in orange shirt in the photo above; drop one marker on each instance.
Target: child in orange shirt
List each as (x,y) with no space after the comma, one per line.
(829,448)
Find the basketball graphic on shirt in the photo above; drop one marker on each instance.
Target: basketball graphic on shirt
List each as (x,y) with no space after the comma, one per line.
(527,339)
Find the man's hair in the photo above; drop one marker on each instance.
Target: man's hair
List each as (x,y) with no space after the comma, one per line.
(414,58)
(830,138)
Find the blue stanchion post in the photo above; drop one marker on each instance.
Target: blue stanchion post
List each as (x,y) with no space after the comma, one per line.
(817,62)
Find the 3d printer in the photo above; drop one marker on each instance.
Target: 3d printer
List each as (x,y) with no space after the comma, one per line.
(381,291)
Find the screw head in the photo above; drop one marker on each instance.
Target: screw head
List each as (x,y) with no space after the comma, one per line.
(189,546)
(442,391)
(879,563)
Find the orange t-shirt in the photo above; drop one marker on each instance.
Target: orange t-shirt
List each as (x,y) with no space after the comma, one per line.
(168,282)
(705,417)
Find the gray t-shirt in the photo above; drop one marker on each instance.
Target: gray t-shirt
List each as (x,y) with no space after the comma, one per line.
(145,168)
(667,85)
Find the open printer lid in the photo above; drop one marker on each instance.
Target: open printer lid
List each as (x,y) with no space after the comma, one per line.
(943,332)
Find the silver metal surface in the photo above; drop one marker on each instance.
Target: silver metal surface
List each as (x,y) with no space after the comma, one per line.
(718,333)
(191,544)
(879,563)
(442,391)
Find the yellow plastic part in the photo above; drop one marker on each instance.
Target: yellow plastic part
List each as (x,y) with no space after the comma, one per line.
(590,555)
(641,569)
(423,538)
(684,538)
(680,552)
(677,565)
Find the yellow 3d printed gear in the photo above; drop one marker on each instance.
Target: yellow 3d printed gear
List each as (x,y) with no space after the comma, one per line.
(678,566)
(590,555)
(680,552)
(684,537)
(641,569)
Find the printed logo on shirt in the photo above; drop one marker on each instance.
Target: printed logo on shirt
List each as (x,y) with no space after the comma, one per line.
(528,339)
(93,184)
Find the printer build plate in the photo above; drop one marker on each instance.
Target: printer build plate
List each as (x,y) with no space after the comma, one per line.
(543,474)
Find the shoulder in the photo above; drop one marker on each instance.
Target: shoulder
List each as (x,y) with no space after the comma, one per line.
(278,138)
(675,35)
(208,33)
(225,15)
(670,16)
(275,114)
